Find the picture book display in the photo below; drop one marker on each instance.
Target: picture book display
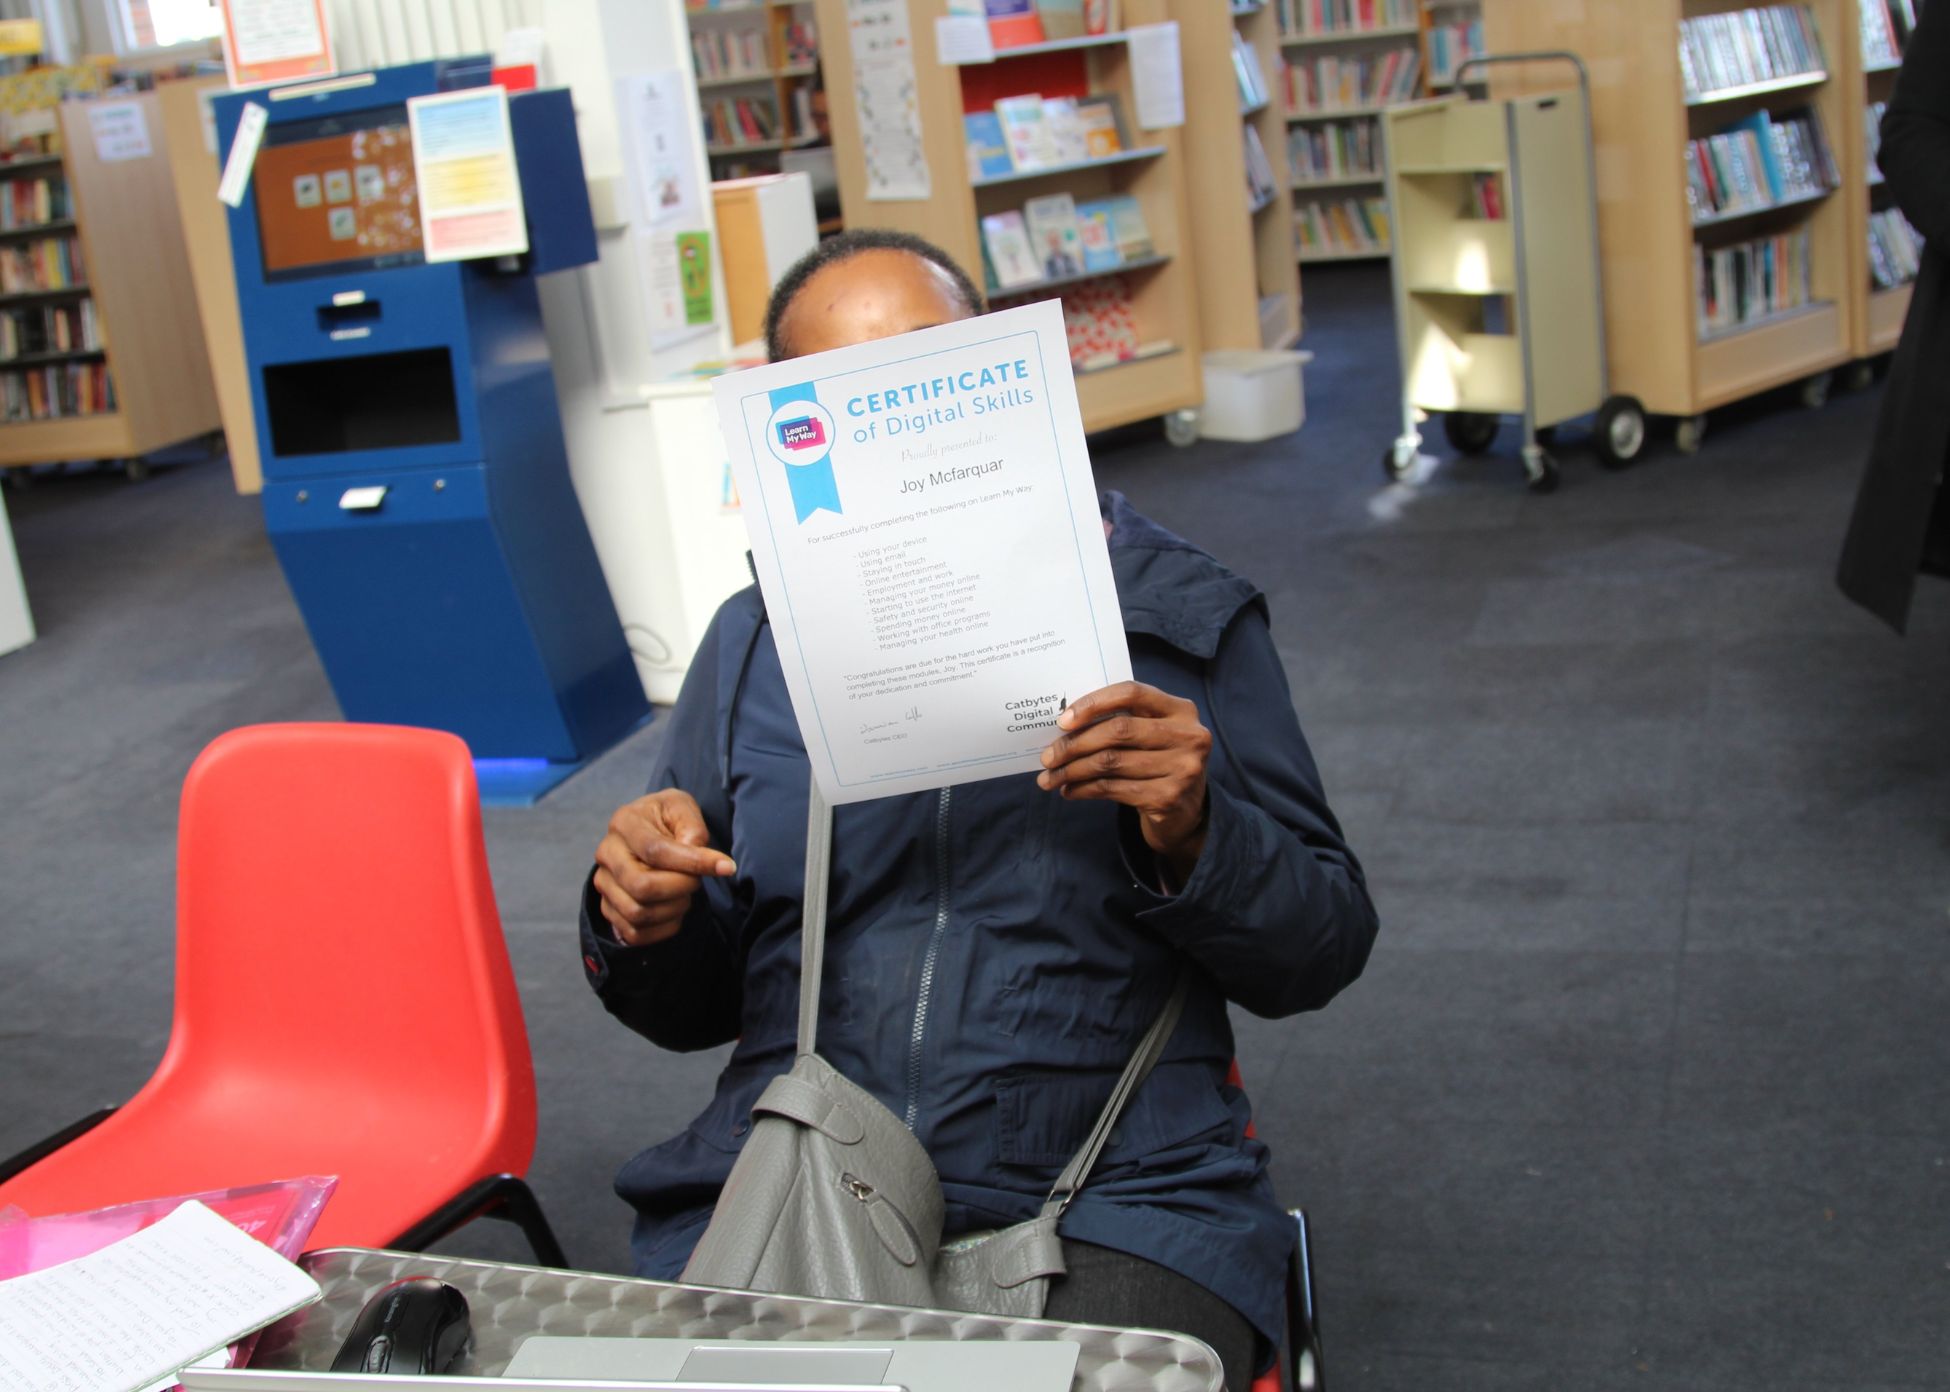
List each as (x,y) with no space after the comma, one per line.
(1012,259)
(1053,233)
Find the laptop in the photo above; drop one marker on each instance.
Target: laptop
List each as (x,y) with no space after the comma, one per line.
(546,1363)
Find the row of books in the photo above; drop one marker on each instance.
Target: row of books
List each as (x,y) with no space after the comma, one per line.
(1054,237)
(1348,227)
(1306,17)
(1873,135)
(1261,186)
(1895,249)
(1013,23)
(1750,280)
(1335,82)
(1742,47)
(1452,45)
(1247,75)
(730,53)
(1886,27)
(48,393)
(68,328)
(31,202)
(741,121)
(1486,200)
(1032,132)
(50,263)
(1335,150)
(1758,163)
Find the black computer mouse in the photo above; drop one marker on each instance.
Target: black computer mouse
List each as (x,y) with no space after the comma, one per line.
(414,1326)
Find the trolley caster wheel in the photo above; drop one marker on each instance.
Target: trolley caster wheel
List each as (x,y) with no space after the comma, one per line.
(1542,470)
(1469,432)
(135,469)
(1181,428)
(1814,391)
(1688,434)
(1859,376)
(1620,431)
(1397,462)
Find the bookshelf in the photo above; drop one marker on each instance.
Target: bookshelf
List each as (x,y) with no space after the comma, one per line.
(1347,61)
(1243,301)
(134,289)
(1663,347)
(1165,379)
(758,81)
(1452,32)
(1866,72)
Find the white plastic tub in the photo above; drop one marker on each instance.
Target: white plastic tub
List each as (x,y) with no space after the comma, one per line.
(1253,394)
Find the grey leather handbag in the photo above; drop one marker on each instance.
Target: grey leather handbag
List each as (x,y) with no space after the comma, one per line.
(833,1197)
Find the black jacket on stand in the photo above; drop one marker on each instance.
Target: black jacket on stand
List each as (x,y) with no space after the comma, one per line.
(1902,514)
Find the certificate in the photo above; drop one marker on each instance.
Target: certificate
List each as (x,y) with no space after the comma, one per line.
(926,535)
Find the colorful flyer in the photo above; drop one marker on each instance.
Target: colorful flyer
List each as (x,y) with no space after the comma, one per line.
(925,529)
(464,166)
(694,274)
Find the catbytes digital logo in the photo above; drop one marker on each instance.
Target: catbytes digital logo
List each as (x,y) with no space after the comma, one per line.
(799,433)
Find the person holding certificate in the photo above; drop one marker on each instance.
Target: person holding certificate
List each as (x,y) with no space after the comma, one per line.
(997,947)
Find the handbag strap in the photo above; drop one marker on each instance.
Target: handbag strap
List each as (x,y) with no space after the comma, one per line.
(812,965)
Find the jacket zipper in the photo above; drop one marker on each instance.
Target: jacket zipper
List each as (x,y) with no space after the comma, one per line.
(924,993)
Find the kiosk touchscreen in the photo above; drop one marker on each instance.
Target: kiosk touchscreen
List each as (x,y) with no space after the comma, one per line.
(416,484)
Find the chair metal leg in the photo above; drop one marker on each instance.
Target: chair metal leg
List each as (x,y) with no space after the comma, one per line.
(506,1197)
(40,1150)
(1303,1312)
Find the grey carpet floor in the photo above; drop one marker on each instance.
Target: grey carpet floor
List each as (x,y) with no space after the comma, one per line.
(1648,1082)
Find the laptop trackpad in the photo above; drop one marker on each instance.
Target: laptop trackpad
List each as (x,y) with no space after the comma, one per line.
(769,1367)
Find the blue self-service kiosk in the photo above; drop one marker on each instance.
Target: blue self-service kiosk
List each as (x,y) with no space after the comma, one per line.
(416,486)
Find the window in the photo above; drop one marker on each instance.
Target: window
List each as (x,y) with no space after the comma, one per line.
(164,23)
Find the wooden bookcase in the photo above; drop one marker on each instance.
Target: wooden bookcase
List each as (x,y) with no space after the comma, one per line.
(1243,301)
(1163,290)
(1877,314)
(1300,42)
(138,275)
(779,80)
(1649,246)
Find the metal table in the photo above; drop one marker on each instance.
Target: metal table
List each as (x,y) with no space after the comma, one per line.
(509,1303)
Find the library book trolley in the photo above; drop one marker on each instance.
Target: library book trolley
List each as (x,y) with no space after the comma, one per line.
(1498,298)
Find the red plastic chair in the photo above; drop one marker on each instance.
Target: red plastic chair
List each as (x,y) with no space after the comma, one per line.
(344,1003)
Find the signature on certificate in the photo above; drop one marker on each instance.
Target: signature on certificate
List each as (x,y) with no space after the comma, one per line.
(867,729)
(913,713)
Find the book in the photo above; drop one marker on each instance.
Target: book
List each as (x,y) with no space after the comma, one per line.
(988,152)
(1013,23)
(1012,261)
(1098,235)
(1066,133)
(1099,16)
(1053,234)
(1128,226)
(1025,131)
(1102,120)
(1261,187)
(1100,322)
(1062,19)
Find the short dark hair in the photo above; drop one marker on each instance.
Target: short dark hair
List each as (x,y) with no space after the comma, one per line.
(845,246)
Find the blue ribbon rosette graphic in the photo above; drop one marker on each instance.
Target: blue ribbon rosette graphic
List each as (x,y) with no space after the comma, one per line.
(802,440)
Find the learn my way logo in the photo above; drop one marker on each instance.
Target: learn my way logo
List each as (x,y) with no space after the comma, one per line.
(799,434)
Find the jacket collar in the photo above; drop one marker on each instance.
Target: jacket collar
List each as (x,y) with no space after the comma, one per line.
(1167,587)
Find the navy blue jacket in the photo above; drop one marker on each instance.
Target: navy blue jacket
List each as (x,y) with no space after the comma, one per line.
(995,952)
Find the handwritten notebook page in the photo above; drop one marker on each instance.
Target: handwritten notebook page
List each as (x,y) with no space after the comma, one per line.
(119,1319)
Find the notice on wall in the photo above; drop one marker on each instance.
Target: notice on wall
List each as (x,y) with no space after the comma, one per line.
(464,167)
(660,131)
(1157,80)
(267,41)
(926,533)
(120,130)
(887,97)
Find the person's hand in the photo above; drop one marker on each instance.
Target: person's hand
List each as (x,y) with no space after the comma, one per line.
(651,862)
(1140,746)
